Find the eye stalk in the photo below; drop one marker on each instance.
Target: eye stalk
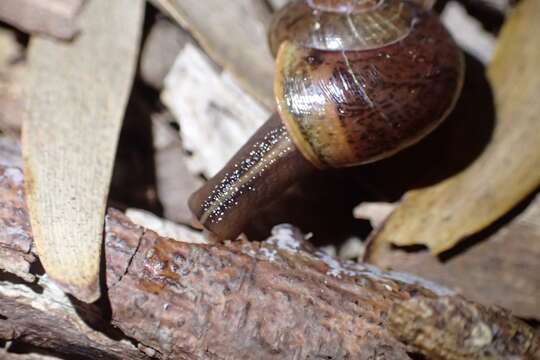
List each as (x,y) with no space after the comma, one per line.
(351,88)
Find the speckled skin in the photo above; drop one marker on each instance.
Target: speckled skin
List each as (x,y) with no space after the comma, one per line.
(266,165)
(367,104)
(388,88)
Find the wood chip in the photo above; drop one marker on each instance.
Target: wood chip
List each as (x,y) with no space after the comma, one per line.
(160,50)
(233,33)
(352,249)
(164,227)
(375,212)
(216,116)
(468,32)
(56,18)
(277,4)
(77,97)
(508,170)
(175,183)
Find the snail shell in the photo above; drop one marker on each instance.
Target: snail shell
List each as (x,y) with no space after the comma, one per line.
(358,80)
(355,81)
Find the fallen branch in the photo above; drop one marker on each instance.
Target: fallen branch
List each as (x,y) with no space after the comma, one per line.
(279,299)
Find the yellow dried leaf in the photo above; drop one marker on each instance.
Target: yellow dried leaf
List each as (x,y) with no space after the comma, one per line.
(507,171)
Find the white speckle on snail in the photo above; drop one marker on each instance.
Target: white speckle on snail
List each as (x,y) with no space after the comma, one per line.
(265,153)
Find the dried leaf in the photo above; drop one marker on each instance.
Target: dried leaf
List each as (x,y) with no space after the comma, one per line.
(507,171)
(77,98)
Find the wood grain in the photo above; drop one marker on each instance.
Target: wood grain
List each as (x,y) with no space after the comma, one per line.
(439,216)
(5,355)
(53,322)
(77,94)
(277,299)
(233,33)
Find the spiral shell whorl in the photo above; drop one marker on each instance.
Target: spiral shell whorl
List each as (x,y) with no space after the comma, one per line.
(348,107)
(343,6)
(341,25)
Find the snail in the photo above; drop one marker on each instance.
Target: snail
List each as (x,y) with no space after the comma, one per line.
(356,81)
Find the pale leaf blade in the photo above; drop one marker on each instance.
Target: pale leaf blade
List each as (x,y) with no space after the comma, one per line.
(77,94)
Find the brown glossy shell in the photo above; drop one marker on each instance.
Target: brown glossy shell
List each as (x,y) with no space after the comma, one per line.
(358,85)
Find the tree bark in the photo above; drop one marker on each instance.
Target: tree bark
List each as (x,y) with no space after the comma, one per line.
(278,299)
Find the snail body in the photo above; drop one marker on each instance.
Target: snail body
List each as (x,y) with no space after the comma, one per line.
(356,81)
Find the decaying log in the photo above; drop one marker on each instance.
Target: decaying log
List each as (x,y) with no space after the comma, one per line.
(40,314)
(279,299)
(449,328)
(5,355)
(15,239)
